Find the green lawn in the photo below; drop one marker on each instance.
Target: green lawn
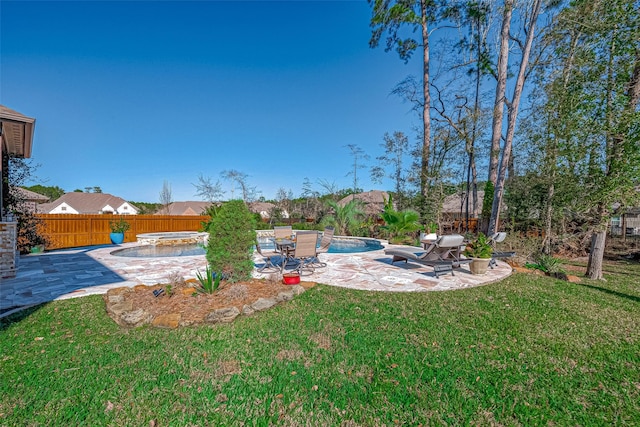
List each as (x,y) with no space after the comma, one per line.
(526,351)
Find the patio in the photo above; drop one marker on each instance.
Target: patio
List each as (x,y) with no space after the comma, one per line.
(93,270)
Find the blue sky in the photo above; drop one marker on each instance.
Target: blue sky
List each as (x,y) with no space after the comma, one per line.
(127,95)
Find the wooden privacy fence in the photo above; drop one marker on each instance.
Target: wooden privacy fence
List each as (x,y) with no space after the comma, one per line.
(70,231)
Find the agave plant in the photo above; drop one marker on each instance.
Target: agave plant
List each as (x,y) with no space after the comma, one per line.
(209,282)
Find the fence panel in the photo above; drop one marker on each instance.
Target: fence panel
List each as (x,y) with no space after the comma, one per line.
(69,231)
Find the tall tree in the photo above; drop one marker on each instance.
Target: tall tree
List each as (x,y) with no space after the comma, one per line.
(609,54)
(476,14)
(396,148)
(53,193)
(166,197)
(592,122)
(392,17)
(249,193)
(501,91)
(209,191)
(358,155)
(530,20)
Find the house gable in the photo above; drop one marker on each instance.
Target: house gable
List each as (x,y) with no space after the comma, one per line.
(63,208)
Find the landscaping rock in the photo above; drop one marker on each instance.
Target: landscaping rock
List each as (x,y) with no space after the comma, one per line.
(133,307)
(284,296)
(222,315)
(120,307)
(573,279)
(298,289)
(247,310)
(263,304)
(169,321)
(115,298)
(135,318)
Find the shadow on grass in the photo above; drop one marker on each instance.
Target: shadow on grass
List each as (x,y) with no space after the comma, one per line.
(44,277)
(19,316)
(610,292)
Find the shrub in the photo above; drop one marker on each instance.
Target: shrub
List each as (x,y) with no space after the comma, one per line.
(231,238)
(401,225)
(31,232)
(119,226)
(547,264)
(479,248)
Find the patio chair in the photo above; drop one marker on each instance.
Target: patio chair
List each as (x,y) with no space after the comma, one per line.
(267,256)
(443,255)
(497,238)
(283,232)
(327,237)
(305,253)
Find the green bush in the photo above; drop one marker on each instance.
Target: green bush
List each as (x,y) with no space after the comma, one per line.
(547,264)
(231,238)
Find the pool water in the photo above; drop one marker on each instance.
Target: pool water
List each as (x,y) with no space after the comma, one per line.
(338,246)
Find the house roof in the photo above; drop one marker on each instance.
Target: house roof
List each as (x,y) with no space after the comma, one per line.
(31,195)
(258,207)
(456,203)
(85,203)
(194,207)
(373,201)
(17,132)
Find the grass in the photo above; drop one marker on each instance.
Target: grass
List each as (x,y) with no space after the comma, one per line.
(527,351)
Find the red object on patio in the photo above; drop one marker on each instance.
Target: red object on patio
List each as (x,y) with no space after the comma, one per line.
(291,278)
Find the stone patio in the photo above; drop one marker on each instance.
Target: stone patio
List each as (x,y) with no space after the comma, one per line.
(72,273)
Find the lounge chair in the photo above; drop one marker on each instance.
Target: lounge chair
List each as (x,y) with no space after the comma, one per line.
(497,238)
(327,237)
(305,253)
(267,256)
(443,255)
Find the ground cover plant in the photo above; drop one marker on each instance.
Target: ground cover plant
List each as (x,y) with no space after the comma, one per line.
(530,350)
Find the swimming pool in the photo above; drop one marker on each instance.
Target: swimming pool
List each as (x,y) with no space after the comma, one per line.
(339,245)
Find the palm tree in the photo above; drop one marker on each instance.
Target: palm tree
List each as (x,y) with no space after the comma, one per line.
(399,224)
(345,217)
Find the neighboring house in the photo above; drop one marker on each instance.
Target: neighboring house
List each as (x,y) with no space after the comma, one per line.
(455,206)
(372,201)
(193,208)
(31,200)
(88,203)
(630,220)
(265,209)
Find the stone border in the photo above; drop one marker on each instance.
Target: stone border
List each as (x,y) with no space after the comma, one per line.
(125,314)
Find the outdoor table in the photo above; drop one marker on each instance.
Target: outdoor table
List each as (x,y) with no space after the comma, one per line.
(285,247)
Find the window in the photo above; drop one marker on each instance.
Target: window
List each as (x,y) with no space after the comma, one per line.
(63,208)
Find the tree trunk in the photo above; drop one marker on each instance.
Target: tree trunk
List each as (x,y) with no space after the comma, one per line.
(594,267)
(548,218)
(501,90)
(511,120)
(426,115)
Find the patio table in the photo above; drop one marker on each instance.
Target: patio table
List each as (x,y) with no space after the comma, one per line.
(285,247)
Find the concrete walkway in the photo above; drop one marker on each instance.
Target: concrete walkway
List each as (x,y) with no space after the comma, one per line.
(93,270)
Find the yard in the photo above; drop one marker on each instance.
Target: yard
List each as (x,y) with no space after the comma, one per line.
(529,350)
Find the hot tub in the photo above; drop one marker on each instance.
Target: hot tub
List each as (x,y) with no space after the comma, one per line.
(173,238)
